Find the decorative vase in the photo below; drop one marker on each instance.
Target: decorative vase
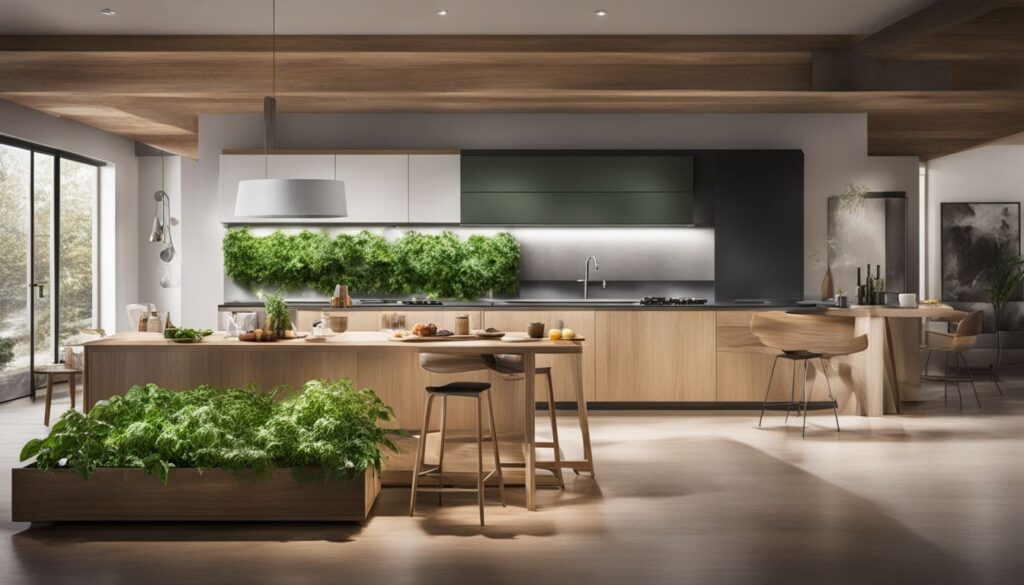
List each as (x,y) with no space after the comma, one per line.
(827,286)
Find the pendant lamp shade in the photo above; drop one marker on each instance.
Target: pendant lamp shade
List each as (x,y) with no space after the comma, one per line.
(291,198)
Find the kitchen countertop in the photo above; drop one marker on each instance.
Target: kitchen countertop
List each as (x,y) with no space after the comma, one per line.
(519,306)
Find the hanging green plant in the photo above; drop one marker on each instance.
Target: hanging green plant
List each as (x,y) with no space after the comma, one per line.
(439,266)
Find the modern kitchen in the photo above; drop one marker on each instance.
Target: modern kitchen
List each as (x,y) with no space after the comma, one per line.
(646,291)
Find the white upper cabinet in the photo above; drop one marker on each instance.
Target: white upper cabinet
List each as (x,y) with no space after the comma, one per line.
(435,188)
(379,188)
(239,167)
(376,187)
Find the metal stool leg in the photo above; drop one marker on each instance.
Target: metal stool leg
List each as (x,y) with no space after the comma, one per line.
(440,456)
(960,356)
(792,389)
(554,431)
(945,380)
(764,403)
(995,380)
(956,380)
(480,459)
(494,446)
(421,450)
(807,395)
(828,383)
(927,361)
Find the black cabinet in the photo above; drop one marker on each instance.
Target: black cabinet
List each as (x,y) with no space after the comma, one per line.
(759,224)
(577,188)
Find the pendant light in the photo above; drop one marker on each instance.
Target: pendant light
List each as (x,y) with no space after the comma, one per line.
(286,198)
(161,232)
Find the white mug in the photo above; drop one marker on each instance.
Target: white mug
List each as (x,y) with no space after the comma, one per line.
(908,300)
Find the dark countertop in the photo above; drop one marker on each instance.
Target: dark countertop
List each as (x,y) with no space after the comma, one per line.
(531,306)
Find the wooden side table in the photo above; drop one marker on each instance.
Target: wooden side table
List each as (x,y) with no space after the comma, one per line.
(57,370)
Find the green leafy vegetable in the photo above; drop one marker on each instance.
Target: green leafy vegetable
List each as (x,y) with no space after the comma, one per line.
(439,266)
(187,334)
(328,424)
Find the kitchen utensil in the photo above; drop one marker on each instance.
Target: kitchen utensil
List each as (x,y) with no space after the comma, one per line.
(908,300)
(432,338)
(488,334)
(462,325)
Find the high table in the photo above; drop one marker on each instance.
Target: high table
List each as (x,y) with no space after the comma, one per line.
(893,349)
(115,363)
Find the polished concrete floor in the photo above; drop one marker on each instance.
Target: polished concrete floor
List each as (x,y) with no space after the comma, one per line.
(929,497)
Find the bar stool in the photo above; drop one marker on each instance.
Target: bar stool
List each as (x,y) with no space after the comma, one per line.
(51,370)
(964,338)
(472,390)
(803,338)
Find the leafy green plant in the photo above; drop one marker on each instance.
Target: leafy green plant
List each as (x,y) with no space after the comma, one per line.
(6,351)
(279,318)
(1003,279)
(439,266)
(328,424)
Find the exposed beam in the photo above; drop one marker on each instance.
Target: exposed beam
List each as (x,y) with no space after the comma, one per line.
(939,17)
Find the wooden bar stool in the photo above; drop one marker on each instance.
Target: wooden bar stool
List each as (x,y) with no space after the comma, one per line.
(472,390)
(56,370)
(803,338)
(512,365)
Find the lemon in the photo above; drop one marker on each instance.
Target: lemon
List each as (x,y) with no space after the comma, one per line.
(568,334)
(555,334)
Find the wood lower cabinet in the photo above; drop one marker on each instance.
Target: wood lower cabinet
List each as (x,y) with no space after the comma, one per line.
(581,322)
(655,356)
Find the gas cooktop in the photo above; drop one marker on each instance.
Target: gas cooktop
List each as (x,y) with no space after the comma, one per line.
(673,301)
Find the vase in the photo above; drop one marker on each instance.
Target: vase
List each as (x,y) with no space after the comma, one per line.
(827,286)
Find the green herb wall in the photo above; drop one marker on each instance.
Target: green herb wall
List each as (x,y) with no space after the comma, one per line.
(439,266)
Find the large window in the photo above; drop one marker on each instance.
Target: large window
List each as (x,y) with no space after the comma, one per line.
(48,202)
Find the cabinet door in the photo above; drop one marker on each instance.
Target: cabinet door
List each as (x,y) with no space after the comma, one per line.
(376,187)
(581,322)
(434,188)
(239,167)
(655,356)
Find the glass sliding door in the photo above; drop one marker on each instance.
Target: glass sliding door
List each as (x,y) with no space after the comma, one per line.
(15,234)
(48,274)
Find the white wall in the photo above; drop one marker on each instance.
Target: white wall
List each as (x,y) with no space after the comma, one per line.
(151,268)
(991,173)
(118,214)
(834,147)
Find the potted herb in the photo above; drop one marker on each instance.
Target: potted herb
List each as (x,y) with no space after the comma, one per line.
(219,454)
(279,318)
(1002,282)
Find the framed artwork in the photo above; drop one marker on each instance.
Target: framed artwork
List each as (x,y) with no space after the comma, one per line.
(970,234)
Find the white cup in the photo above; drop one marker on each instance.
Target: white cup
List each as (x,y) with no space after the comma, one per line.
(908,300)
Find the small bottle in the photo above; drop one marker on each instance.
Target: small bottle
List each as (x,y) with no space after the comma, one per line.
(153,323)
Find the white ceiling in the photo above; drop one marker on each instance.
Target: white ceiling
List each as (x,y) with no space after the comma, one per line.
(151,17)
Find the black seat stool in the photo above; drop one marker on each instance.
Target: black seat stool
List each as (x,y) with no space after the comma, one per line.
(472,390)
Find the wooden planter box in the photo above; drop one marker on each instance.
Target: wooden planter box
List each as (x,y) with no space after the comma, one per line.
(214,495)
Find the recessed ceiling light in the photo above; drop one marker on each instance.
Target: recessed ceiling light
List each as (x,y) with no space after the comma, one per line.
(108,12)
(442,12)
(600,12)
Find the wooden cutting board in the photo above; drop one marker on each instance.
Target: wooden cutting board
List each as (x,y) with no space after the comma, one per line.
(433,338)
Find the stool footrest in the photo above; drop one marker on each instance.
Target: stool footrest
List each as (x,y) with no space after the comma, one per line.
(442,489)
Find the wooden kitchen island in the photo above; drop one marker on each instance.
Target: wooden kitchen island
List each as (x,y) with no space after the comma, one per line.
(390,368)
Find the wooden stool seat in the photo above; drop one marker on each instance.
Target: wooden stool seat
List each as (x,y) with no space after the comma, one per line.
(474,391)
(50,371)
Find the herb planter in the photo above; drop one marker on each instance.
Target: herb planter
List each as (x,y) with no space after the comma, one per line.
(213,495)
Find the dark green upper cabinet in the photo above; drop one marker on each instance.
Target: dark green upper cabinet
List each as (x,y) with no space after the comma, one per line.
(506,188)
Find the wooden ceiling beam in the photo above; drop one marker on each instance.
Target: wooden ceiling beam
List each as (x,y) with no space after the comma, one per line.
(938,17)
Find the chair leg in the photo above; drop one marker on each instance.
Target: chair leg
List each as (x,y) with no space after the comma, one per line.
(956,380)
(440,455)
(764,403)
(49,399)
(480,459)
(792,389)
(960,356)
(554,430)
(807,395)
(71,389)
(828,383)
(421,450)
(494,446)
(927,361)
(945,380)
(995,380)
(581,413)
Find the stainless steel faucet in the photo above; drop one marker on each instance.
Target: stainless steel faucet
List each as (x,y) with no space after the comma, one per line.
(586,276)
